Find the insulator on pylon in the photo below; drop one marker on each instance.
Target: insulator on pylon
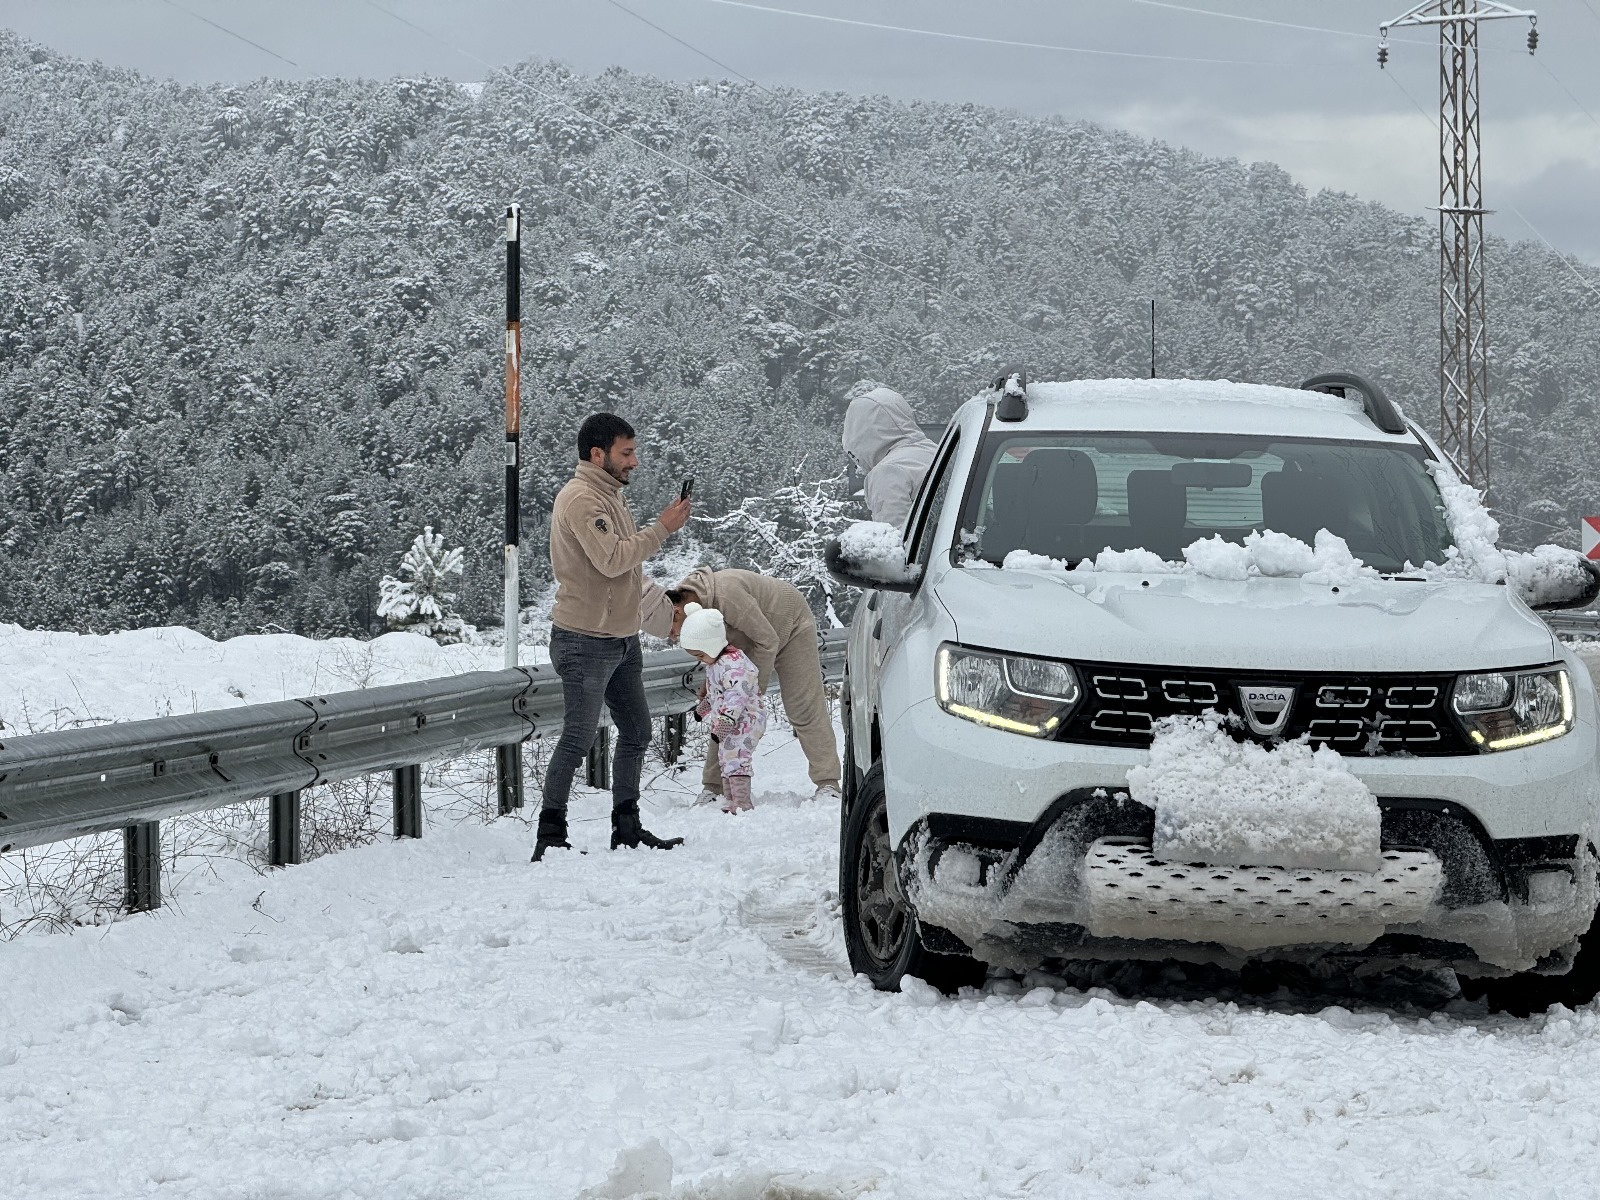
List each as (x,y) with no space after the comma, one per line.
(1383,55)
(1533,39)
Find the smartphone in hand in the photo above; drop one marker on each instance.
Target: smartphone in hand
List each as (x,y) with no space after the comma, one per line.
(687,489)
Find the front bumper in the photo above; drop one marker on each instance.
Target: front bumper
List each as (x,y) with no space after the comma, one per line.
(937,763)
(1013,893)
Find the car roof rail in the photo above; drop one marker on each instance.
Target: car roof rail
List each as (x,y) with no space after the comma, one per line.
(1379,408)
(1012,404)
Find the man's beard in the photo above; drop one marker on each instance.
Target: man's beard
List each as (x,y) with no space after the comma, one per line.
(619,474)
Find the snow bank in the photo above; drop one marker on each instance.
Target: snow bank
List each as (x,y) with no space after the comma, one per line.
(61,680)
(1227,803)
(1262,554)
(877,551)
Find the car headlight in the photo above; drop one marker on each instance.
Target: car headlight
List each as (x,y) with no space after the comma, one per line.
(1005,691)
(1503,710)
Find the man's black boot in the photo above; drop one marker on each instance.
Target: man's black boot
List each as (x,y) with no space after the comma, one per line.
(552,834)
(626,831)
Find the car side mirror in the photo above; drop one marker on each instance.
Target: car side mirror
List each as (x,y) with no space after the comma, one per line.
(1552,578)
(871,555)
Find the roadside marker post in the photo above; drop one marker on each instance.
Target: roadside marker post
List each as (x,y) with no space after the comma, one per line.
(1591,537)
(508,759)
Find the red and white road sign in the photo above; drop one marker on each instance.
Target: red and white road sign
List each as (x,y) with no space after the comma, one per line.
(1591,537)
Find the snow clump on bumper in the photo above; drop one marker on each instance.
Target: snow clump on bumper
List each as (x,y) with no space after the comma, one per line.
(1226,803)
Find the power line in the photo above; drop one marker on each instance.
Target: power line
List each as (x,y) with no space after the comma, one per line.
(990,41)
(1500,512)
(1546,67)
(771,210)
(624,135)
(1208,12)
(1228,16)
(667,33)
(691,170)
(231,33)
(1564,259)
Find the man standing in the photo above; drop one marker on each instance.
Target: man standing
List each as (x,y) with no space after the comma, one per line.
(881,433)
(771,622)
(596,551)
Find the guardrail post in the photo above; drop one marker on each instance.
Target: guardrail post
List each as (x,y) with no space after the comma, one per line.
(408,802)
(673,727)
(508,776)
(597,769)
(141,866)
(283,830)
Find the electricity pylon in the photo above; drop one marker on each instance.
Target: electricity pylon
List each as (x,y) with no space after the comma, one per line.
(1463,316)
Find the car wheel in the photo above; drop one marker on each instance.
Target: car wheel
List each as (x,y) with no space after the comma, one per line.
(1526,994)
(880,926)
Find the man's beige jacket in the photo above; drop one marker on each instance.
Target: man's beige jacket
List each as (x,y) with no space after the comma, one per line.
(595,552)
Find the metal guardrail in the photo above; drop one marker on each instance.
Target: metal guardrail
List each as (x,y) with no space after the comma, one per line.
(135,774)
(1574,624)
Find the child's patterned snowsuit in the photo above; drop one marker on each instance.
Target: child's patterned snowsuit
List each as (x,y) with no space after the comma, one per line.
(738,717)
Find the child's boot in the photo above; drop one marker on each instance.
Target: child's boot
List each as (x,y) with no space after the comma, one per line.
(736,790)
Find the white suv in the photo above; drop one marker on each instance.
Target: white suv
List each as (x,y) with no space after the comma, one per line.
(1088,564)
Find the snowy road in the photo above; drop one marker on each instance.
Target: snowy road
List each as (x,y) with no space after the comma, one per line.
(440,1018)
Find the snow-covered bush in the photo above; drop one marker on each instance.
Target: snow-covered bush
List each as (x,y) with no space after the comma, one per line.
(786,534)
(418,602)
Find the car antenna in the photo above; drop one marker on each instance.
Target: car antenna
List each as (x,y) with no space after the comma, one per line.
(1152,337)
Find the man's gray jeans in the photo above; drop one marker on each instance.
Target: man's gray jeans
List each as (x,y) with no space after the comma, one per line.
(596,671)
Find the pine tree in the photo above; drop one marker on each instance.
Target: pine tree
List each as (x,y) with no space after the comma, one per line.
(419,602)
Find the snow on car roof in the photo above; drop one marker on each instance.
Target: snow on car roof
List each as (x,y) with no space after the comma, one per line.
(1196,406)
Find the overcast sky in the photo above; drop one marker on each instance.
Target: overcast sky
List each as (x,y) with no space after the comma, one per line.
(1312,100)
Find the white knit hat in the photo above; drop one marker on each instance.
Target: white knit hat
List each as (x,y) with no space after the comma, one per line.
(703,630)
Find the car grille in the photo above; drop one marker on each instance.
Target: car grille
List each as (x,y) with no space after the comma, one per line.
(1366,714)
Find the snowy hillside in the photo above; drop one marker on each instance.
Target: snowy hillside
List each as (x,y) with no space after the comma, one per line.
(248,343)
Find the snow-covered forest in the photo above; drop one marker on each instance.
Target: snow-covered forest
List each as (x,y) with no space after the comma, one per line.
(250,337)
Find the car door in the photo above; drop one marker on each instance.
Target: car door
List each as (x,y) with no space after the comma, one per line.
(884,617)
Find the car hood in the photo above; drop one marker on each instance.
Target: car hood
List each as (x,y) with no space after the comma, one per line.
(1263,624)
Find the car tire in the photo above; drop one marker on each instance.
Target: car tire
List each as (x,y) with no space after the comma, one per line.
(1525,994)
(880,926)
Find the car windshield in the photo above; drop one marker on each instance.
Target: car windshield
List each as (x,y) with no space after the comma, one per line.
(1072,495)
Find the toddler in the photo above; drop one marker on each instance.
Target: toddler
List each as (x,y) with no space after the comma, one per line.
(731,698)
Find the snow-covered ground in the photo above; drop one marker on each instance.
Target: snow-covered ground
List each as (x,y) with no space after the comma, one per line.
(443,1018)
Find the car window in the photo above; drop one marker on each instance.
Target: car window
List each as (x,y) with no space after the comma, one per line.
(1069,496)
(927,519)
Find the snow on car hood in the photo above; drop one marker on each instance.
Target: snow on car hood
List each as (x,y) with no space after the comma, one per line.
(1259,623)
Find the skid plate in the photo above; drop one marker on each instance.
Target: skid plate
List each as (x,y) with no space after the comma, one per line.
(1131,893)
